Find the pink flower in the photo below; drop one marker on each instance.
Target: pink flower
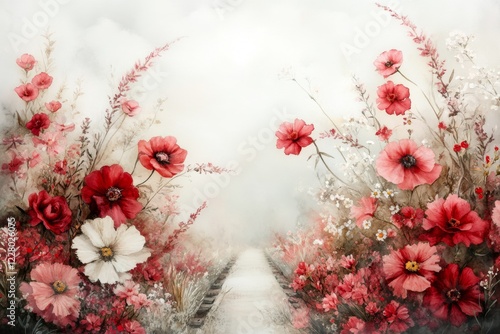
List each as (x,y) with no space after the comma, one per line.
(110,192)
(348,262)
(389,62)
(454,295)
(53,106)
(330,302)
(14,165)
(394,99)
(38,123)
(495,214)
(293,137)
(398,317)
(131,107)
(408,216)
(163,155)
(407,165)
(53,293)
(354,325)
(384,133)
(53,212)
(42,81)
(411,268)
(27,92)
(133,327)
(126,291)
(452,221)
(300,318)
(140,301)
(65,127)
(26,62)
(61,167)
(92,323)
(53,142)
(365,210)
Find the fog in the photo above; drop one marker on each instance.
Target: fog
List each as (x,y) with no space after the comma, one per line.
(224,80)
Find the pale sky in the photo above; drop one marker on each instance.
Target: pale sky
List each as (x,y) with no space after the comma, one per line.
(225,98)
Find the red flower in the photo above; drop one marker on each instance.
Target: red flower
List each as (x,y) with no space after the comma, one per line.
(457,148)
(42,81)
(454,295)
(111,192)
(452,221)
(38,123)
(407,165)
(27,92)
(464,144)
(408,216)
(393,98)
(365,210)
(411,268)
(61,167)
(163,155)
(26,62)
(14,165)
(53,212)
(398,317)
(389,62)
(293,137)
(384,133)
(53,106)
(442,126)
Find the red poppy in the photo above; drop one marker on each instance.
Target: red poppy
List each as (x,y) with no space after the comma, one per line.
(293,137)
(394,99)
(452,221)
(110,192)
(389,62)
(53,212)
(454,295)
(407,165)
(163,155)
(38,123)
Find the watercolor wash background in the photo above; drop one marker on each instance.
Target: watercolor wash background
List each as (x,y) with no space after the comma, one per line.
(225,97)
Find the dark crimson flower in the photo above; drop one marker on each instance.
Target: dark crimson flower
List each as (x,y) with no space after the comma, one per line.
(53,212)
(110,191)
(452,221)
(464,144)
(457,148)
(394,99)
(38,123)
(163,155)
(389,62)
(293,137)
(27,92)
(454,295)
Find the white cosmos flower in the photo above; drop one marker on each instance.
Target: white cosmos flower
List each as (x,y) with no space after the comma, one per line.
(108,253)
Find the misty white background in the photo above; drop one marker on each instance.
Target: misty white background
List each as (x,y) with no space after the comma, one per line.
(222,83)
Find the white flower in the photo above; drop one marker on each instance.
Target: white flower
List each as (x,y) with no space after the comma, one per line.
(367,224)
(394,209)
(381,235)
(108,253)
(389,193)
(318,242)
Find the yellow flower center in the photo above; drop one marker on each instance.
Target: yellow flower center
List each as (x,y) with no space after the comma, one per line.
(106,253)
(59,287)
(412,266)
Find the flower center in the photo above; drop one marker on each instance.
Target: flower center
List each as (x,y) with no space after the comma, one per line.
(453,295)
(453,222)
(106,253)
(294,135)
(113,194)
(388,64)
(162,157)
(408,161)
(411,266)
(59,287)
(391,97)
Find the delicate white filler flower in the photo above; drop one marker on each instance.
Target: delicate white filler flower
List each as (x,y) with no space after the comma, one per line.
(108,254)
(381,235)
(318,242)
(367,224)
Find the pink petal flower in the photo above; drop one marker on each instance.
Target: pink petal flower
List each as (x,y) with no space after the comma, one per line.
(293,137)
(42,81)
(28,92)
(394,99)
(26,62)
(53,106)
(131,107)
(389,62)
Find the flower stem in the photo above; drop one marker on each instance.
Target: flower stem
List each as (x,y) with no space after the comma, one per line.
(146,180)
